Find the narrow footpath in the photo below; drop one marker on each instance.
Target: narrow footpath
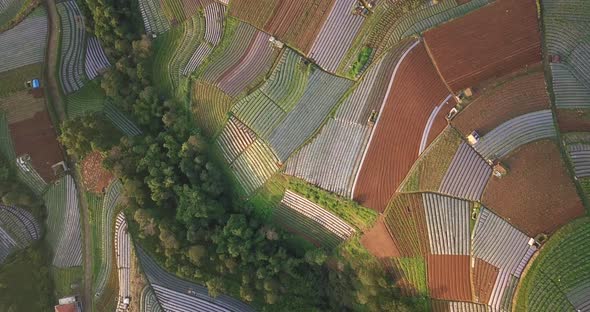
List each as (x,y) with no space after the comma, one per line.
(57,104)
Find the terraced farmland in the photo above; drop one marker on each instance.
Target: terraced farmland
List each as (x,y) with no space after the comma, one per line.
(214,20)
(96,59)
(256,14)
(447,219)
(178,295)
(405,220)
(122,122)
(255,166)
(6,147)
(123,253)
(9,9)
(63,222)
(72,46)
(25,43)
(154,20)
(209,107)
(558,279)
(89,99)
(18,228)
(174,11)
(467,175)
(580,156)
(149,301)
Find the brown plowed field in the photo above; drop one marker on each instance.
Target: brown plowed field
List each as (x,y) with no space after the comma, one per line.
(95,177)
(415,92)
(378,241)
(37,138)
(440,121)
(516,97)
(448,277)
(256,12)
(484,277)
(405,220)
(537,195)
(573,120)
(298,22)
(490,42)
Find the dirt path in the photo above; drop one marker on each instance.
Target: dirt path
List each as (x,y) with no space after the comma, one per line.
(57,104)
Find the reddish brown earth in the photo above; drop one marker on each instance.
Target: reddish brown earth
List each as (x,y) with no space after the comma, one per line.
(415,92)
(256,13)
(298,22)
(37,138)
(516,97)
(95,177)
(440,121)
(192,6)
(448,277)
(490,42)
(573,120)
(405,220)
(378,241)
(484,277)
(537,195)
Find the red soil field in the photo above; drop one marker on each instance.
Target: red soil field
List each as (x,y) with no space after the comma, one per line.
(378,241)
(37,138)
(516,97)
(573,120)
(298,22)
(416,91)
(484,277)
(95,177)
(256,13)
(537,195)
(490,42)
(448,277)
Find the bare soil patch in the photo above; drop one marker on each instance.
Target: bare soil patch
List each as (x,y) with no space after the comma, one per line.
(516,97)
(95,177)
(484,277)
(573,120)
(378,241)
(537,195)
(415,92)
(37,138)
(448,277)
(490,42)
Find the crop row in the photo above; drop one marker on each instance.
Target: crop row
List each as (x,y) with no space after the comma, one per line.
(447,219)
(9,9)
(96,59)
(569,91)
(123,253)
(30,176)
(25,43)
(6,147)
(192,34)
(234,139)
(214,17)
(122,122)
(63,220)
(255,166)
(406,222)
(153,19)
(89,99)
(174,11)
(18,228)
(210,107)
(149,302)
(259,113)
(580,155)
(467,175)
(411,274)
(72,46)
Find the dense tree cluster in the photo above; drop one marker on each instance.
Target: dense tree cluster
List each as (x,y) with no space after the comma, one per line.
(84,134)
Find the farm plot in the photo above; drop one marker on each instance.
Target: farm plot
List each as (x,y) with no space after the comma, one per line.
(36,137)
(234,139)
(13,80)
(331,160)
(123,253)
(456,306)
(447,219)
(255,166)
(580,156)
(405,220)
(209,107)
(332,42)
(214,18)
(149,302)
(298,22)
(9,9)
(484,276)
(395,143)
(72,46)
(514,133)
(537,195)
(173,10)
(311,220)
(96,59)
(122,122)
(569,91)
(18,228)
(521,95)
(89,99)
(105,235)
(322,93)
(6,147)
(20,106)
(153,18)
(25,43)
(475,48)
(448,277)
(379,242)
(63,222)
(7,245)
(173,293)
(411,276)
(467,175)
(95,177)
(256,14)
(573,120)
(558,279)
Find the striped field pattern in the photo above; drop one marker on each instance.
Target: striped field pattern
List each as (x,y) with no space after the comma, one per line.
(516,132)
(25,43)
(153,17)
(122,122)
(448,224)
(580,156)
(96,60)
(123,254)
(72,46)
(214,17)
(569,91)
(255,166)
(260,113)
(332,42)
(30,176)
(149,302)
(63,221)
(18,228)
(178,295)
(234,139)
(580,297)
(467,176)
